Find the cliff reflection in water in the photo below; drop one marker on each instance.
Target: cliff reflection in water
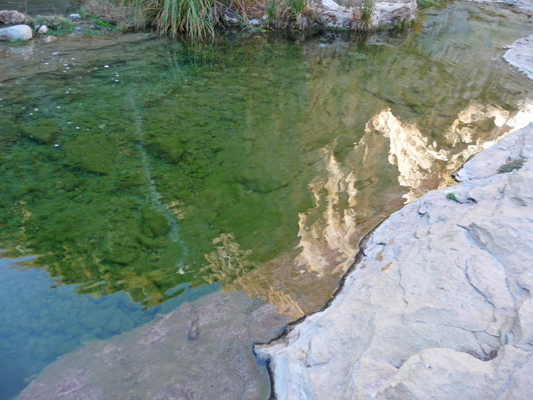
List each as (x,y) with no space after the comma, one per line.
(258,164)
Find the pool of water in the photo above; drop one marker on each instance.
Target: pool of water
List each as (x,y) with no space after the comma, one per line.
(137,169)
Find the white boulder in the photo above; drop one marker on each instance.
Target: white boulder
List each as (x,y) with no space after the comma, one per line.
(43,30)
(17,32)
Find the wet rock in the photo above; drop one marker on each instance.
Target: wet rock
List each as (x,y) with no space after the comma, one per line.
(12,17)
(17,32)
(50,39)
(441,293)
(43,30)
(255,22)
(202,350)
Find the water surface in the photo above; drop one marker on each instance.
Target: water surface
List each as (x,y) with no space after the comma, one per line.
(145,166)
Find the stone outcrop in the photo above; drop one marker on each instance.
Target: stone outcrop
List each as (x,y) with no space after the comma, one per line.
(202,350)
(437,304)
(17,32)
(347,14)
(12,17)
(520,55)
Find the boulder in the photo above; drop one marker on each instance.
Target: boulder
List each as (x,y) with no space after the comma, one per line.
(43,30)
(74,17)
(50,39)
(17,32)
(346,13)
(12,17)
(438,304)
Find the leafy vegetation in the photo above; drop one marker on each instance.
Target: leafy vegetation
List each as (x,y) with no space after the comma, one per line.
(511,166)
(451,196)
(423,4)
(16,43)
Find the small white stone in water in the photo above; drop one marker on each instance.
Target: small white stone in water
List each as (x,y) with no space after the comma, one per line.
(31,113)
(302,271)
(66,92)
(46,63)
(77,127)
(56,145)
(36,109)
(106,66)
(68,68)
(116,80)
(72,58)
(23,108)
(58,106)
(95,68)
(69,122)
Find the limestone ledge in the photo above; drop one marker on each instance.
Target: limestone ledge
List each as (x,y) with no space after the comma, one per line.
(438,305)
(385,14)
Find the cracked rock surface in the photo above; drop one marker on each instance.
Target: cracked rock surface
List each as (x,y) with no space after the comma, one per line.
(438,306)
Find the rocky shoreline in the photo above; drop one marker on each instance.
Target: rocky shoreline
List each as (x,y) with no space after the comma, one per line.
(437,304)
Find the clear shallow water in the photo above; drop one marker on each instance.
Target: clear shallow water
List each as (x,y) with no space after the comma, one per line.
(41,319)
(137,165)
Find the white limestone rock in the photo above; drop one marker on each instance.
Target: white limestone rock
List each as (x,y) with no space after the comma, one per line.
(385,14)
(454,277)
(520,55)
(17,32)
(43,30)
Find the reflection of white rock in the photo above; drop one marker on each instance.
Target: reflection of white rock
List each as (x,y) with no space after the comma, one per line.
(409,150)
(328,232)
(332,234)
(415,158)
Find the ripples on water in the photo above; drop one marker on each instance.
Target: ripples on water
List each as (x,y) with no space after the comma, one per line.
(137,165)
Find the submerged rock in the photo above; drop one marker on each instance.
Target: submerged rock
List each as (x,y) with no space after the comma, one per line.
(437,305)
(17,32)
(202,350)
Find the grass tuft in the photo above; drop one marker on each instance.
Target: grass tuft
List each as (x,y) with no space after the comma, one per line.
(451,196)
(512,165)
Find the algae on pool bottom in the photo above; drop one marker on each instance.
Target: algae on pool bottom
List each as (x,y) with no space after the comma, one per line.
(257,163)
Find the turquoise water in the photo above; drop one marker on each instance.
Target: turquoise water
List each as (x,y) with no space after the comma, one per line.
(40,319)
(136,169)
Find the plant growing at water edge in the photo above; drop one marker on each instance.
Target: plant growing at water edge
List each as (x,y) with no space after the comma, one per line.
(451,196)
(362,16)
(512,165)
(17,43)
(423,4)
(194,17)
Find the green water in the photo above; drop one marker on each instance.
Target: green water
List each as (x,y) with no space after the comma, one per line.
(138,164)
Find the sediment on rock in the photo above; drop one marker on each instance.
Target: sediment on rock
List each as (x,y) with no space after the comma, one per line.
(437,307)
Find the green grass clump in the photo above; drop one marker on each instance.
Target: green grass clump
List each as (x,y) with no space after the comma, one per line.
(16,43)
(101,24)
(511,166)
(423,4)
(90,32)
(452,197)
(170,17)
(297,7)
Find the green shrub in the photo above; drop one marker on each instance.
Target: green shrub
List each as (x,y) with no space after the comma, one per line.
(511,166)
(452,197)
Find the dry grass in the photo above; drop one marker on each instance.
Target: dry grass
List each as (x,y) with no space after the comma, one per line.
(110,11)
